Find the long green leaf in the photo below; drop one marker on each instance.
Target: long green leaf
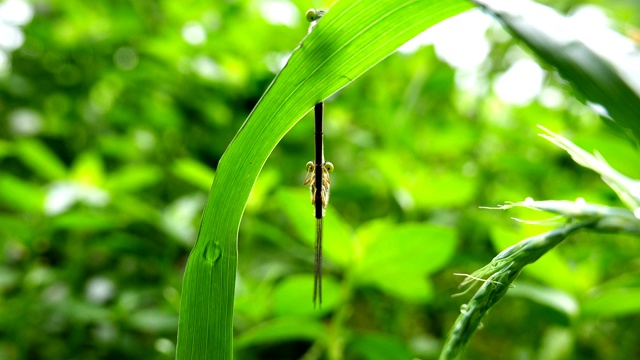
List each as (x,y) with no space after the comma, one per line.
(351,38)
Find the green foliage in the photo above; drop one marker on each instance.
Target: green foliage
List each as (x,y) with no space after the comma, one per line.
(113,120)
(498,276)
(604,76)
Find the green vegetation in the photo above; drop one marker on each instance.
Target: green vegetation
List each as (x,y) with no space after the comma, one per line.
(115,115)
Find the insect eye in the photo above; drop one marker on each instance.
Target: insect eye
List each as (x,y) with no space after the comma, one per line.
(329,166)
(313,15)
(310,166)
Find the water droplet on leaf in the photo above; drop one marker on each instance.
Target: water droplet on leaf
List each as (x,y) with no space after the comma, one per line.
(212,252)
(464,308)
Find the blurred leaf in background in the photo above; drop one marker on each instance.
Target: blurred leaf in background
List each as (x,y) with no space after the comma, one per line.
(114,115)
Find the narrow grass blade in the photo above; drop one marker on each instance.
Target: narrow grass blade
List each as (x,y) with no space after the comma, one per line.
(627,189)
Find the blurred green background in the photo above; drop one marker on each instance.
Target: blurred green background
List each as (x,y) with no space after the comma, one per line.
(114,114)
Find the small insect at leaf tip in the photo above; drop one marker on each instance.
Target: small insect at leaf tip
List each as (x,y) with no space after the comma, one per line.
(314,15)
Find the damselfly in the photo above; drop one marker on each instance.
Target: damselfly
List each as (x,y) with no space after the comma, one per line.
(318,179)
(319,184)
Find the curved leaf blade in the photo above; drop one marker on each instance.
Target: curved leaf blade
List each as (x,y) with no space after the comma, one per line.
(351,38)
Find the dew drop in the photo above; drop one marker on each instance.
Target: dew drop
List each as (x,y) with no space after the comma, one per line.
(464,308)
(212,252)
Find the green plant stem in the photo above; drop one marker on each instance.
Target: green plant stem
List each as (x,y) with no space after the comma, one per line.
(501,272)
(338,334)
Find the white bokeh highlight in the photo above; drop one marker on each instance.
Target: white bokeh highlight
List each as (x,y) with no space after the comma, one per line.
(194,33)
(521,83)
(459,41)
(280,12)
